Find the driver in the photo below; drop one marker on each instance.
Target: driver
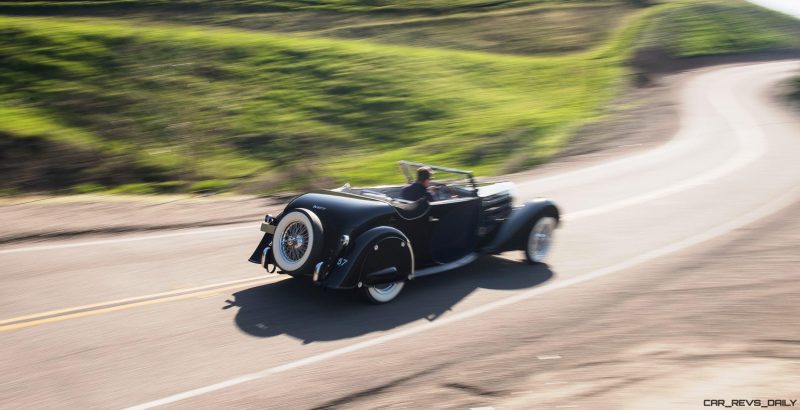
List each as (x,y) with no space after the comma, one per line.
(419,188)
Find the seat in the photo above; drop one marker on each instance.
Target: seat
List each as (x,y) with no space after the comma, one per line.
(375,194)
(411,210)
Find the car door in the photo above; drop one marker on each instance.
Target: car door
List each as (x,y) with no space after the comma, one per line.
(454,228)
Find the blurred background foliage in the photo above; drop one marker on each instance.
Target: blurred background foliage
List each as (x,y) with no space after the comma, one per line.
(253,96)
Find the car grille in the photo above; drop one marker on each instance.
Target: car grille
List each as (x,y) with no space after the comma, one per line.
(496,208)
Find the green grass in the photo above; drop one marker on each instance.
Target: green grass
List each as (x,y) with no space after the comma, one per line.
(22,122)
(510,27)
(383,6)
(712,28)
(166,107)
(542,29)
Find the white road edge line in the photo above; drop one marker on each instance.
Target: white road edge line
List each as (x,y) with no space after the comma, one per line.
(748,218)
(751,143)
(549,357)
(249,225)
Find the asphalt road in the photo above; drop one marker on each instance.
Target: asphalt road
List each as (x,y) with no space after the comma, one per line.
(663,255)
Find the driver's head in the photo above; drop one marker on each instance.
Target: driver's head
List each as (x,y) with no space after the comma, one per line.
(424,175)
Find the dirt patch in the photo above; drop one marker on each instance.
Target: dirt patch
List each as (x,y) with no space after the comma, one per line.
(653,61)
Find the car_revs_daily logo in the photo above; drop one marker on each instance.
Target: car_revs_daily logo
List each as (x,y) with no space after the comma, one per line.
(750,403)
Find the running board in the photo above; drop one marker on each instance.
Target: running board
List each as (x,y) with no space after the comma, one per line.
(447,266)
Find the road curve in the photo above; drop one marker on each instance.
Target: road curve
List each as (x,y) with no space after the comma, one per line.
(184,321)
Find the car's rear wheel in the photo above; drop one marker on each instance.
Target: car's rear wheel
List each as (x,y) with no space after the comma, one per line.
(383,293)
(540,238)
(297,242)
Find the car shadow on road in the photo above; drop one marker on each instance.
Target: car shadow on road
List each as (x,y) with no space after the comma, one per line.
(297,308)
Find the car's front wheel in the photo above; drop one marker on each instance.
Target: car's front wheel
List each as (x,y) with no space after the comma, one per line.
(540,238)
(382,293)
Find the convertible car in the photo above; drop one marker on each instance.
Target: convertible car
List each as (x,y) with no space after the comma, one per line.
(370,239)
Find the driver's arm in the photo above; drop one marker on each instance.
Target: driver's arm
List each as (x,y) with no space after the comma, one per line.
(430,193)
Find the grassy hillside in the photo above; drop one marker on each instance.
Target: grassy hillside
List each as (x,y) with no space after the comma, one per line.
(542,29)
(383,6)
(134,105)
(708,28)
(520,27)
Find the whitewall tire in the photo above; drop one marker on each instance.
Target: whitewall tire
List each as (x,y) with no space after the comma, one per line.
(383,293)
(540,239)
(297,239)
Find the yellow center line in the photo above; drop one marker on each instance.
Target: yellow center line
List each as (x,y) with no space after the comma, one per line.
(128,303)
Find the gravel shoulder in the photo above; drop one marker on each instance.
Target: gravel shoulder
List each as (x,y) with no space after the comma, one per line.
(86,216)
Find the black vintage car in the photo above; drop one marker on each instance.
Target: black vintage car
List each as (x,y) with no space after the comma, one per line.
(370,239)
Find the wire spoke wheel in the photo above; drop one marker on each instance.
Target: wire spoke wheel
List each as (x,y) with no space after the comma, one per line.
(297,241)
(540,239)
(294,241)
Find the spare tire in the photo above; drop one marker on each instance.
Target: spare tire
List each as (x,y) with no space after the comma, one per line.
(297,243)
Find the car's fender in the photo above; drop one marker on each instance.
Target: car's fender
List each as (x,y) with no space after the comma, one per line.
(513,232)
(262,255)
(380,255)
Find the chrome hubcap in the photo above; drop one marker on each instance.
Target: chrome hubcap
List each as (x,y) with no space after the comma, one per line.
(294,241)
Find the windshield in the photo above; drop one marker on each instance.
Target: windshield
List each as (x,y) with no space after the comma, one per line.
(440,175)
